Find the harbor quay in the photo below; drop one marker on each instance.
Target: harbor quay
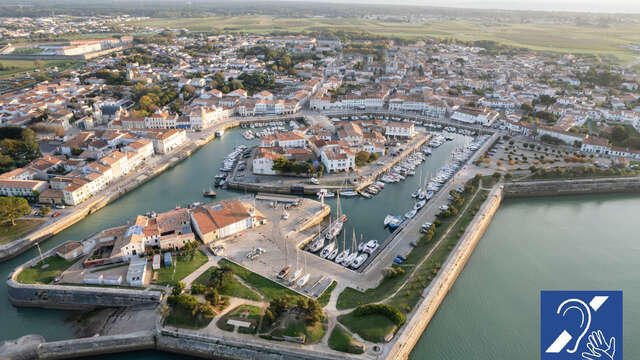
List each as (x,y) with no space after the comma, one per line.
(356,180)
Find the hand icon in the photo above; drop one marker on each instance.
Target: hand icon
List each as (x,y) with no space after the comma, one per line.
(599,348)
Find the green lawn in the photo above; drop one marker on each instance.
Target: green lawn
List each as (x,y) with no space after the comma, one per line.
(22,227)
(268,288)
(183,318)
(372,328)
(253,314)
(341,340)
(234,288)
(183,266)
(38,275)
(313,334)
(326,295)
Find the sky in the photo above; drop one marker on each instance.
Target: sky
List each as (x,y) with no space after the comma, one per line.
(605,6)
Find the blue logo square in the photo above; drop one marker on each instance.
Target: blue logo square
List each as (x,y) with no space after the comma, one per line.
(580,325)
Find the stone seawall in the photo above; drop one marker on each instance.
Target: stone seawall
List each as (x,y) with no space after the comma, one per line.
(571,186)
(89,347)
(69,297)
(184,342)
(77,297)
(439,288)
(189,343)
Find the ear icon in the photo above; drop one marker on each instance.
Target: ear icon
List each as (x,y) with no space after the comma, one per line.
(565,337)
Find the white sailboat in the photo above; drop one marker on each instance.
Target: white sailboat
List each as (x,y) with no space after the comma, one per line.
(303,280)
(345,252)
(327,250)
(336,227)
(354,253)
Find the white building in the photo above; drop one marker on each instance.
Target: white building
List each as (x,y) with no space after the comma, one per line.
(400,129)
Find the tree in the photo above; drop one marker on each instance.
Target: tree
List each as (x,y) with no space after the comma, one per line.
(177,289)
(12,208)
(362,158)
(45,210)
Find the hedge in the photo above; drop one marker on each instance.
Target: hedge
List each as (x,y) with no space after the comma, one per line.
(388,311)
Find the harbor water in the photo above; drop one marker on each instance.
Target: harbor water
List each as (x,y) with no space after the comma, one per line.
(575,242)
(565,243)
(182,185)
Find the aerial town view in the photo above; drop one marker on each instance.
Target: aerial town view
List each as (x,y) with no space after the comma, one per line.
(319,181)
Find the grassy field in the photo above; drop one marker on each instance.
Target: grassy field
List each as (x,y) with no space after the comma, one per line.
(373,327)
(183,318)
(234,288)
(341,340)
(183,266)
(313,334)
(326,295)
(268,288)
(55,265)
(243,312)
(29,65)
(22,227)
(546,37)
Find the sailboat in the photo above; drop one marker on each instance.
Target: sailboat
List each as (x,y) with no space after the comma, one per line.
(327,250)
(416,193)
(354,244)
(296,274)
(303,280)
(317,243)
(345,251)
(336,227)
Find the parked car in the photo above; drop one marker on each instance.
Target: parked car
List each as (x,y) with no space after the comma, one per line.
(56,214)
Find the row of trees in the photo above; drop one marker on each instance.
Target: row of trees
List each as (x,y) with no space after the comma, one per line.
(310,309)
(298,167)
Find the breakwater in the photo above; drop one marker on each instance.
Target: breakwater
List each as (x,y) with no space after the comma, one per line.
(571,186)
(33,347)
(69,297)
(185,342)
(435,293)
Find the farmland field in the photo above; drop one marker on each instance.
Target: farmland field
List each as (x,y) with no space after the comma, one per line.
(18,66)
(546,37)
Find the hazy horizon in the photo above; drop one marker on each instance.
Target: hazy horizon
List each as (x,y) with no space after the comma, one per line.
(612,6)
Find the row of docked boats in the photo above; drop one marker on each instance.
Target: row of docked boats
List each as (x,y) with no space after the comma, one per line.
(230,160)
(406,168)
(367,193)
(352,257)
(263,124)
(428,189)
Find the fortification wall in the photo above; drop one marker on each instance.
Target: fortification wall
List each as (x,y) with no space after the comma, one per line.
(439,288)
(571,186)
